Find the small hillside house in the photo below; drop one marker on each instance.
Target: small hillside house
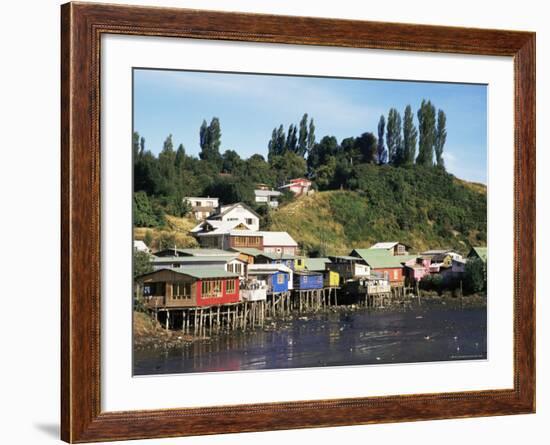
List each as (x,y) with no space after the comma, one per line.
(188,287)
(248,254)
(202,208)
(392,247)
(238,213)
(267,196)
(298,186)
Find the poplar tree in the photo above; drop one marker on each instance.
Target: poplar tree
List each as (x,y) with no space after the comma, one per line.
(210,141)
(292,138)
(310,136)
(381,149)
(426,131)
(440,137)
(302,136)
(393,137)
(409,136)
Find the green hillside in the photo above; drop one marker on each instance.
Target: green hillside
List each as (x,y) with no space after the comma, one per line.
(422,207)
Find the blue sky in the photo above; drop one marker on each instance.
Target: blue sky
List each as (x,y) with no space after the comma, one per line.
(250,105)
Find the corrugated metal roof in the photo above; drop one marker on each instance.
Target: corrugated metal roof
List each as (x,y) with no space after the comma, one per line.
(382,259)
(249,251)
(206,252)
(316,264)
(385,245)
(277,256)
(278,239)
(199,272)
(194,259)
(267,193)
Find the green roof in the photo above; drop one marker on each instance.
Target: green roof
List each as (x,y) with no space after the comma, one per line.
(316,263)
(204,272)
(481,252)
(378,259)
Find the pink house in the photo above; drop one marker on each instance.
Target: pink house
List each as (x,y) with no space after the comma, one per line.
(417,268)
(298,186)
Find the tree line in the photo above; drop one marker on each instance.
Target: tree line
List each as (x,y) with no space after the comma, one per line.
(161,182)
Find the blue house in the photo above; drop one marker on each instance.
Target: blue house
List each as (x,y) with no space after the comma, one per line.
(277,280)
(307,280)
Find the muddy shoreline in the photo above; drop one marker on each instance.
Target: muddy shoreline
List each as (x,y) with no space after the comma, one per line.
(150,335)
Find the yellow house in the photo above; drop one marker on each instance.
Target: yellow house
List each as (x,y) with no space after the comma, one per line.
(331,279)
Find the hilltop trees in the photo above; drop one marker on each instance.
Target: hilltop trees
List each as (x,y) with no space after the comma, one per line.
(161,182)
(210,141)
(298,139)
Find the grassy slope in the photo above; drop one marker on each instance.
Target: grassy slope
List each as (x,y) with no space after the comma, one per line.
(176,228)
(444,212)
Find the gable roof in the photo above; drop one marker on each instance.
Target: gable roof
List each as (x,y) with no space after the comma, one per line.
(480,252)
(218,226)
(230,207)
(387,245)
(379,258)
(198,272)
(278,239)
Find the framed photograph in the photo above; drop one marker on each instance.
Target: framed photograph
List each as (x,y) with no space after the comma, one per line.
(274,222)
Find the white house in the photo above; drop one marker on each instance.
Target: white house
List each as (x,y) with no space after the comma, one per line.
(268,197)
(202,208)
(238,213)
(279,242)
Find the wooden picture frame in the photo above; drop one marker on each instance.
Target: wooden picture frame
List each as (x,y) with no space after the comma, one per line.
(82,26)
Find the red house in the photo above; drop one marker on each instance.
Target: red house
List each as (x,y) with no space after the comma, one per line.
(298,186)
(188,287)
(384,263)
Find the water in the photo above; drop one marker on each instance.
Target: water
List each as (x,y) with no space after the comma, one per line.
(361,337)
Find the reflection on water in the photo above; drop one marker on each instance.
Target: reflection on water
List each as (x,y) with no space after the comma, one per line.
(351,338)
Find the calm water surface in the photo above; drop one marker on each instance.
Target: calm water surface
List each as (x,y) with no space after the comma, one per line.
(359,337)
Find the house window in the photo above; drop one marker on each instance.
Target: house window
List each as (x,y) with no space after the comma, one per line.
(395,275)
(230,286)
(181,290)
(154,289)
(249,221)
(232,219)
(212,289)
(305,278)
(281,278)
